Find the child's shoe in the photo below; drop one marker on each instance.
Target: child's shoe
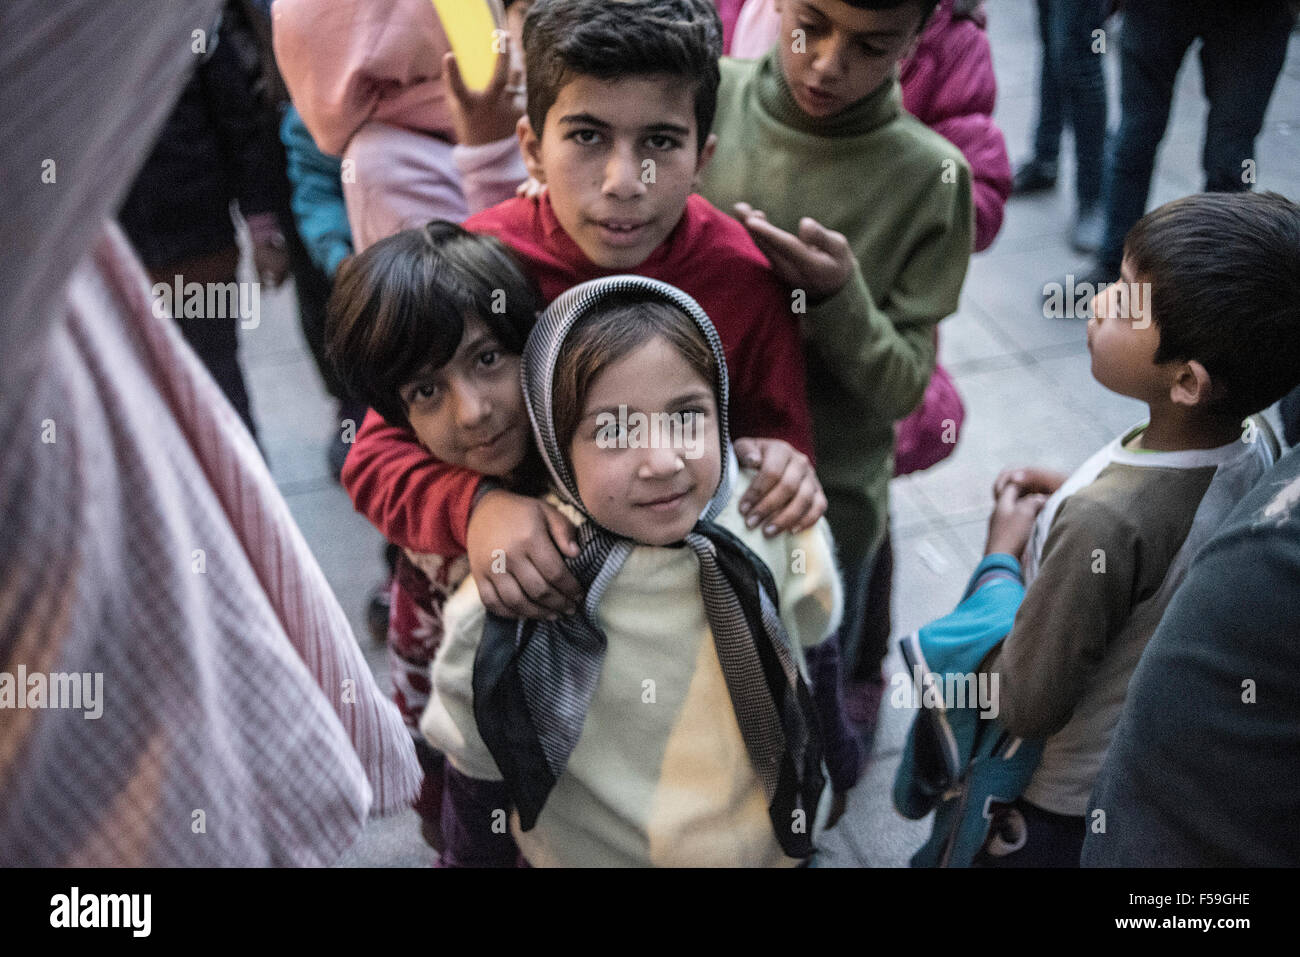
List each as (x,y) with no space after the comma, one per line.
(1089,227)
(1034,176)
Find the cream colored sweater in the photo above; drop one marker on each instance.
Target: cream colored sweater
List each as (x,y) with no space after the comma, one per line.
(660,775)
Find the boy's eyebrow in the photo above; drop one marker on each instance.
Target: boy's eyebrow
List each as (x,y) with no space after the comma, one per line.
(668,128)
(587,119)
(425,372)
(469,348)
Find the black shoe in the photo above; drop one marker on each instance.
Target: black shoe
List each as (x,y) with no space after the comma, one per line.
(1034,176)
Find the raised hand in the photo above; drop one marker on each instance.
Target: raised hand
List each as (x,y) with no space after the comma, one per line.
(486,117)
(818,260)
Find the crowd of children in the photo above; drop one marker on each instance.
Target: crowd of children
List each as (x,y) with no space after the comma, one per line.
(621,645)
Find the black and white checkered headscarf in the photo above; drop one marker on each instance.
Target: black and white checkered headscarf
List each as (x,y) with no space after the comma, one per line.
(534,680)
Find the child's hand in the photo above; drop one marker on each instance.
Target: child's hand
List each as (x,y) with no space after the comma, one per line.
(271,261)
(530,189)
(1044,481)
(1013,520)
(514,544)
(818,260)
(489,116)
(270,251)
(785,494)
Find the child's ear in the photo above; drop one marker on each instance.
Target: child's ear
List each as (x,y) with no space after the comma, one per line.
(1192,385)
(530,145)
(706,156)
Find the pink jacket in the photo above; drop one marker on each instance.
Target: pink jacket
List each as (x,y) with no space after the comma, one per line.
(346,62)
(948,84)
(728,12)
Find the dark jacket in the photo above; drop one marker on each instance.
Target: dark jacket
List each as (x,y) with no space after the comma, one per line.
(1204,768)
(219,145)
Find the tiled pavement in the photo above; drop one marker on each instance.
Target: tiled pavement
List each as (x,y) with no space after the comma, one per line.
(1024,378)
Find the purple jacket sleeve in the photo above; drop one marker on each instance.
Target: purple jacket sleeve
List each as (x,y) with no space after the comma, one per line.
(843,762)
(474,828)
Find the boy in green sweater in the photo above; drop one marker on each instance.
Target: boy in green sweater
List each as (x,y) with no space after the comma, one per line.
(867,214)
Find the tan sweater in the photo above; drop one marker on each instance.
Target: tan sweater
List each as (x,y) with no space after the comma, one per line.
(1106,556)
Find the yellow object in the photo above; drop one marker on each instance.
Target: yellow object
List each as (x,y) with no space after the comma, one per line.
(471,27)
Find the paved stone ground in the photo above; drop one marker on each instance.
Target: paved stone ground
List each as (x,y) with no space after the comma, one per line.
(1024,379)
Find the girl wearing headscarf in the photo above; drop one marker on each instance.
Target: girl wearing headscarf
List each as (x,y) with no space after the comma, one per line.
(668,722)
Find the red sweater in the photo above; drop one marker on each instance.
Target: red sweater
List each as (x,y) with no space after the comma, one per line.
(423,504)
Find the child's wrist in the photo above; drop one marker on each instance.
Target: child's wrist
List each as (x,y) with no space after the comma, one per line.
(994,566)
(1000,548)
(485,485)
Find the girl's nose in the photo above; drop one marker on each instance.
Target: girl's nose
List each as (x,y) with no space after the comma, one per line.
(661,462)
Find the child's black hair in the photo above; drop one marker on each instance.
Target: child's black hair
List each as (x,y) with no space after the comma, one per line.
(1224,274)
(613,39)
(399,308)
(925,6)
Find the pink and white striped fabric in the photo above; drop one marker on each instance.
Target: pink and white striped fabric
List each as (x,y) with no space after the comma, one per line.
(141,535)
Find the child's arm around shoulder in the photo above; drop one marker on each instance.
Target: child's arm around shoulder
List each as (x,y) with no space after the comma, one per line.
(754,313)
(426,505)
(784,494)
(416,501)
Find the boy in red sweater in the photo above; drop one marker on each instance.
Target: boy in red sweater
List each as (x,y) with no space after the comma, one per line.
(619,138)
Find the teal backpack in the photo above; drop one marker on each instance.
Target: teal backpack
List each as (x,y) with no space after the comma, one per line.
(958,761)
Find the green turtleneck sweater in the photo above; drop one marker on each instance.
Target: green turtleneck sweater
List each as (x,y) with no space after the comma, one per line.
(901,194)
